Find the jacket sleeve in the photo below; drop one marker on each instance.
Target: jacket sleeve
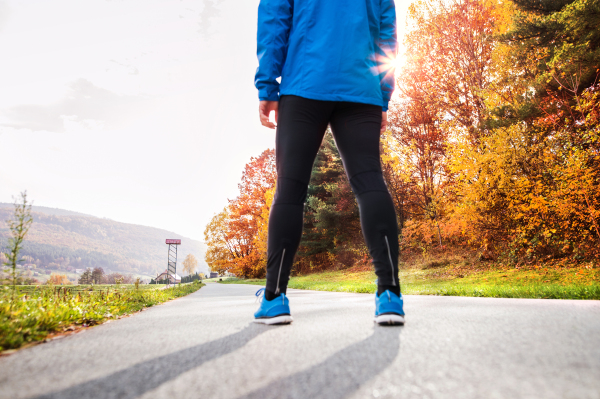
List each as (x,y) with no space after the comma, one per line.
(274,24)
(387,51)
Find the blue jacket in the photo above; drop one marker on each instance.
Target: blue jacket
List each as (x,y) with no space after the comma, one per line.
(331,50)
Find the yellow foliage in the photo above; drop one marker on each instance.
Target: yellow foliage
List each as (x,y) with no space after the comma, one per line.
(260,240)
(58,279)
(190,264)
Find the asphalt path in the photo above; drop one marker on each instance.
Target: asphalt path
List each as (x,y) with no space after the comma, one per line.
(205,346)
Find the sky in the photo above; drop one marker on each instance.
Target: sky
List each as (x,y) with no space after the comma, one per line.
(140,111)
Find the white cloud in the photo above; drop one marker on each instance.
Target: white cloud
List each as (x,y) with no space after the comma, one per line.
(83,102)
(207,15)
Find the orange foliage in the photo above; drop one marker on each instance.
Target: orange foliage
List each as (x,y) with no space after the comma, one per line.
(463,175)
(58,279)
(233,235)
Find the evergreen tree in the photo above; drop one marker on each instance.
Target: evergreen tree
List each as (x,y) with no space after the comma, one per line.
(86,277)
(191,278)
(557,43)
(331,220)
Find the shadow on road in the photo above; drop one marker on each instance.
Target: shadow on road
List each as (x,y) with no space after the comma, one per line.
(342,373)
(143,377)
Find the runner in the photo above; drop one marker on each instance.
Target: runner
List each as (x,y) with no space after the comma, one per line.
(336,60)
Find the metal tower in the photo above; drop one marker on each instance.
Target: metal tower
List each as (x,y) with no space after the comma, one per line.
(172,260)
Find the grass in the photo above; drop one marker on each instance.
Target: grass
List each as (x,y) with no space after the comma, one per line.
(447,278)
(24,289)
(218,279)
(39,311)
(42,277)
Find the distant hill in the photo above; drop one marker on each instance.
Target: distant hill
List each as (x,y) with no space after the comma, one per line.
(45,210)
(61,240)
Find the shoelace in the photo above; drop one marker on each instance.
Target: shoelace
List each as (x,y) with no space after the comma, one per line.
(260,294)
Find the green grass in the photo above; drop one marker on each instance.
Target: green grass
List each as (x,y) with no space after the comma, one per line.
(42,277)
(249,281)
(37,312)
(218,279)
(86,287)
(556,283)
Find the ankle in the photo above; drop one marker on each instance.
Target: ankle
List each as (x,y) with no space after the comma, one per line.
(270,295)
(393,288)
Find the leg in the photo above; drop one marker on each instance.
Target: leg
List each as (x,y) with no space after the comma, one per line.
(301,127)
(356,129)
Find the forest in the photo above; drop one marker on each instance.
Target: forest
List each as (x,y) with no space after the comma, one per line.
(492,149)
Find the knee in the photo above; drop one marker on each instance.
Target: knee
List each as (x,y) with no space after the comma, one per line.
(290,191)
(368,181)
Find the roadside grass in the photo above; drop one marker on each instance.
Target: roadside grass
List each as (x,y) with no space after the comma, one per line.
(218,279)
(24,289)
(44,274)
(580,282)
(40,311)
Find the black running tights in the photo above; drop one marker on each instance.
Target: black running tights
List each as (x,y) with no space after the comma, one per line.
(356,128)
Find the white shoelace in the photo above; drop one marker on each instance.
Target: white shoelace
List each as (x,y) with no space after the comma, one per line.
(260,295)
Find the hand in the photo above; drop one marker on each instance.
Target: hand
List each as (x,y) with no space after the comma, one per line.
(383,122)
(264,109)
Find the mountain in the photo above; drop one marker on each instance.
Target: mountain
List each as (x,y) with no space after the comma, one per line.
(61,240)
(45,210)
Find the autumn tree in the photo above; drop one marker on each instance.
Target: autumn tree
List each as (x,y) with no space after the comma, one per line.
(118,278)
(445,134)
(396,184)
(97,275)
(260,239)
(231,236)
(190,264)
(442,86)
(415,154)
(449,60)
(58,279)
(220,250)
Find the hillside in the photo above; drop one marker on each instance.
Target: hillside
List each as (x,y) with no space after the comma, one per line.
(61,240)
(45,210)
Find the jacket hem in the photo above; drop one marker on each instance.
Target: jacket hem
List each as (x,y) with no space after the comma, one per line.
(333,97)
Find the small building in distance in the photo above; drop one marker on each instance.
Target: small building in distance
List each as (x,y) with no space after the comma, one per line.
(173,279)
(214,275)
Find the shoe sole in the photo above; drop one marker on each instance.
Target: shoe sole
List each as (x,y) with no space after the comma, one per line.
(389,319)
(285,319)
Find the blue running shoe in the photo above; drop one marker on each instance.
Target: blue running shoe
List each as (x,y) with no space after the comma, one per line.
(276,311)
(388,308)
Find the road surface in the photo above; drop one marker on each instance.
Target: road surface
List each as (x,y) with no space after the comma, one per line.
(205,346)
